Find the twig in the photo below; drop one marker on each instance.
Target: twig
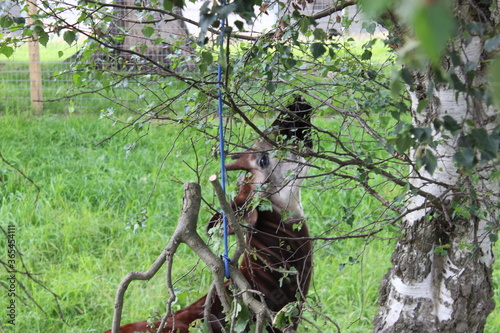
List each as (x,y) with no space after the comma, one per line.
(238,231)
(189,214)
(186,233)
(22,174)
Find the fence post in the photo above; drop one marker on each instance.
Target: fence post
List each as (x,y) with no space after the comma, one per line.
(35,66)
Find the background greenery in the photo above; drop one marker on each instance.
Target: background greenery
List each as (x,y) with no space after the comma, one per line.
(85,229)
(76,236)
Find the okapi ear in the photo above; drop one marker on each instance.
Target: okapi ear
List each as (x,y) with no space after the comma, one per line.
(250,216)
(243,202)
(294,123)
(214,221)
(241,207)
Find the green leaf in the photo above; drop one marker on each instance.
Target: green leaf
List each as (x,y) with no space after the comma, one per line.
(207,57)
(239,25)
(271,86)
(44,39)
(396,85)
(430,162)
(407,76)
(71,107)
(493,238)
(6,21)
(77,79)
(371,74)
(369,26)
(373,8)
(422,105)
(492,44)
(434,25)
(451,124)
(494,76)
(317,50)
(19,20)
(158,41)
(488,145)
(222,60)
(442,250)
(403,143)
(289,63)
(6,50)
(148,31)
(334,32)
(475,28)
(422,134)
(304,25)
(69,37)
(319,34)
(206,19)
(367,55)
(465,157)
(242,318)
(168,4)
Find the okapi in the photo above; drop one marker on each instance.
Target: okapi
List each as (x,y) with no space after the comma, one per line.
(278,259)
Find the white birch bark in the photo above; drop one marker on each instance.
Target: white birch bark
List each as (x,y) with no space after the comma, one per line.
(428,289)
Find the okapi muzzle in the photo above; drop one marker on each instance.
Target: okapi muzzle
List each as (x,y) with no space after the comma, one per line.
(278,258)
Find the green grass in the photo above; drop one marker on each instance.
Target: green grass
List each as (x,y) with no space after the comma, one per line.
(60,92)
(75,236)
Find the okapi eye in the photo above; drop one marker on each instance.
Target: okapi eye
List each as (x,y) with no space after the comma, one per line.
(263,161)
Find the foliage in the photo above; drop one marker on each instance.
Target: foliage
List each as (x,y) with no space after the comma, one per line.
(89,195)
(364,136)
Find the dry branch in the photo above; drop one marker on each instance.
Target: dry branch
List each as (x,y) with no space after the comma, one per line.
(240,237)
(188,217)
(186,233)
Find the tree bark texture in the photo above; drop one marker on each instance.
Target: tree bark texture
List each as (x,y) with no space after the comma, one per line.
(168,41)
(441,278)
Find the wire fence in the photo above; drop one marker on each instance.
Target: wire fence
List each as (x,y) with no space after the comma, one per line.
(34,76)
(27,79)
(53,78)
(18,89)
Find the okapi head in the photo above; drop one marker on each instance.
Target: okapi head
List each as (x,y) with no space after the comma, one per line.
(274,243)
(272,171)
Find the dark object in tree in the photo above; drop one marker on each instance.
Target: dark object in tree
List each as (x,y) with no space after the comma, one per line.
(295,124)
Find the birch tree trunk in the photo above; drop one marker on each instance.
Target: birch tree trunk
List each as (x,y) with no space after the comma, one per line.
(160,37)
(441,278)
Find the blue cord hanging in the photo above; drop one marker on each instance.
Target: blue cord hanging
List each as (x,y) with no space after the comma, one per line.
(224,256)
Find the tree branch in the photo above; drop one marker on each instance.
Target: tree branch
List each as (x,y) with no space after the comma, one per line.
(333,9)
(188,217)
(186,233)
(23,175)
(238,231)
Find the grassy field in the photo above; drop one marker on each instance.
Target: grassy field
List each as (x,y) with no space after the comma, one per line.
(80,233)
(58,83)
(78,236)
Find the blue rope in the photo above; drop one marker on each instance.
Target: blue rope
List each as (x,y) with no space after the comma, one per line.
(224,256)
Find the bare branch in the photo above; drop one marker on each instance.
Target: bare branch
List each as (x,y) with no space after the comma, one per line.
(240,237)
(186,233)
(22,174)
(188,217)
(333,9)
